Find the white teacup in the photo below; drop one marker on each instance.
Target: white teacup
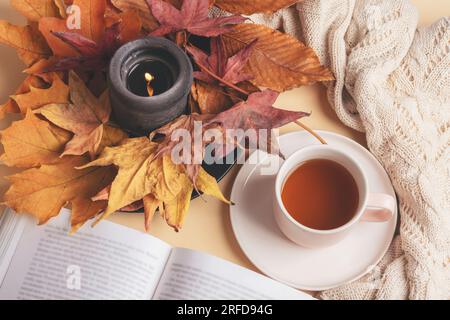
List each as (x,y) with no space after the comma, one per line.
(372,207)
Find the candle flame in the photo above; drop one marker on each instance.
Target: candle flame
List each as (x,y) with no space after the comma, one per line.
(149,78)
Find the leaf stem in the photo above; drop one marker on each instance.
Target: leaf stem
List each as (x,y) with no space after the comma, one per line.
(311,131)
(232,86)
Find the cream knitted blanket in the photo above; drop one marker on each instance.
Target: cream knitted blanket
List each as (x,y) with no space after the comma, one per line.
(392,82)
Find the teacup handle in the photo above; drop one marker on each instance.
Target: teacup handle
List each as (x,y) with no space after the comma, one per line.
(380,207)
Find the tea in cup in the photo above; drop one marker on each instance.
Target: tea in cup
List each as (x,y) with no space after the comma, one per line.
(321,194)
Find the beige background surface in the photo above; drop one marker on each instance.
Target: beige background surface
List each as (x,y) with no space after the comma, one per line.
(208,226)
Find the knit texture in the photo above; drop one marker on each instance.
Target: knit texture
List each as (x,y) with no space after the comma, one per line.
(393,83)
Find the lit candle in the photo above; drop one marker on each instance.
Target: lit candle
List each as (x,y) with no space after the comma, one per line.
(150,80)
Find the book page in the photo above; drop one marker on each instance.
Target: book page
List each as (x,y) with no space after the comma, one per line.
(107,262)
(195,276)
(11,229)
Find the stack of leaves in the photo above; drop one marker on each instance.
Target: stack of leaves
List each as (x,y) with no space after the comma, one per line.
(73,155)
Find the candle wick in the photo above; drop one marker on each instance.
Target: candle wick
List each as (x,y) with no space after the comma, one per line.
(149,78)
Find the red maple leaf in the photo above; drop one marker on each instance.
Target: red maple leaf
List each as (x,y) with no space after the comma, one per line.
(192,17)
(228,69)
(254,114)
(92,55)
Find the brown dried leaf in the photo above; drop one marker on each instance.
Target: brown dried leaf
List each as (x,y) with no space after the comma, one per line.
(279,61)
(254,6)
(85,117)
(30,45)
(34,10)
(130,26)
(84,209)
(61,8)
(92,18)
(141,8)
(210,98)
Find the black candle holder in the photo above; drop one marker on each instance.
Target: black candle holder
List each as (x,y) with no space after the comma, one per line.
(132,110)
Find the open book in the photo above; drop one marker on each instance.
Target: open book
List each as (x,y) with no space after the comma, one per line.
(115,262)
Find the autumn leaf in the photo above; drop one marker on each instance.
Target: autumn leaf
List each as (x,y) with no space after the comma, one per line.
(58,92)
(32,142)
(92,55)
(254,6)
(84,209)
(192,17)
(174,211)
(151,205)
(207,184)
(34,10)
(279,61)
(61,8)
(130,25)
(92,22)
(228,69)
(92,26)
(135,178)
(257,113)
(11,106)
(141,174)
(91,47)
(210,98)
(142,8)
(213,94)
(85,117)
(129,20)
(192,160)
(59,48)
(44,191)
(222,80)
(112,137)
(30,45)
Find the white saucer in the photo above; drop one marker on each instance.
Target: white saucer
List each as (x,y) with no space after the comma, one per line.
(279,258)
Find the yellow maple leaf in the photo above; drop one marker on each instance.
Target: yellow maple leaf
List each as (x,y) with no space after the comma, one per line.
(207,184)
(151,205)
(58,92)
(158,181)
(32,142)
(30,81)
(43,191)
(175,210)
(136,177)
